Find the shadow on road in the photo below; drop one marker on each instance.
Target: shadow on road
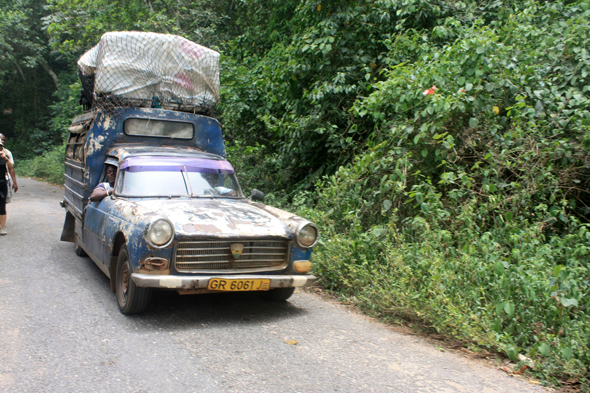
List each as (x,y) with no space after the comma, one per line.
(171,311)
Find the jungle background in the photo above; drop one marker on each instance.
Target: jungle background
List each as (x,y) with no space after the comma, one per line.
(442,146)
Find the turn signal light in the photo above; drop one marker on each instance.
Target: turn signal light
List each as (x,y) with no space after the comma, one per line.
(154,263)
(302,266)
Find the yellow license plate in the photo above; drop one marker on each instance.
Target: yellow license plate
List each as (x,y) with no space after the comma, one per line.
(233,284)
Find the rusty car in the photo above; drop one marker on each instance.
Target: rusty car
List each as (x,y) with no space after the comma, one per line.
(177,219)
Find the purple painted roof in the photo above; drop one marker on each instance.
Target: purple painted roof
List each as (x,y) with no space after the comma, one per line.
(172,164)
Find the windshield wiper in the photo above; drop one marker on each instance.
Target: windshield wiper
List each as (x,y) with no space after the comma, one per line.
(187,183)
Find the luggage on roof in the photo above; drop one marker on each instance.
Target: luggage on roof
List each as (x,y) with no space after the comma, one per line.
(150,69)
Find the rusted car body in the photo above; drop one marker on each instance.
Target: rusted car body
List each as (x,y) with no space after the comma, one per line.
(177,219)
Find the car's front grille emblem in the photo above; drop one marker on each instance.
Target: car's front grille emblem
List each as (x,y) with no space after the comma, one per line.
(237,249)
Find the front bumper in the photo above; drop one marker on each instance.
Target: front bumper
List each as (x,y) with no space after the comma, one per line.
(201,282)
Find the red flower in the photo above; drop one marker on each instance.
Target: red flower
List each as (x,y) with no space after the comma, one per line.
(429,91)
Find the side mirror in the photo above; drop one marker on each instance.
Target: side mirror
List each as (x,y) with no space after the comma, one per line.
(257,195)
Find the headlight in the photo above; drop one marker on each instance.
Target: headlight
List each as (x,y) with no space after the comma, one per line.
(160,232)
(307,235)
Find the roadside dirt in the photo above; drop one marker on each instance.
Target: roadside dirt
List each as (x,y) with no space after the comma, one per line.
(494,360)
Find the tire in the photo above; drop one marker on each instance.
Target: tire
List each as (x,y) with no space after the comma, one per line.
(77,249)
(278,294)
(130,298)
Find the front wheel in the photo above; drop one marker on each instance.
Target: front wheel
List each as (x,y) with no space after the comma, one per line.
(278,294)
(131,298)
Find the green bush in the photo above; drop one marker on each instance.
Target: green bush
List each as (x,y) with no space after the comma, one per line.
(48,167)
(509,288)
(506,285)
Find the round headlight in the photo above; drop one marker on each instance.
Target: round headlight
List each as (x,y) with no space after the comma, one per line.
(307,236)
(160,232)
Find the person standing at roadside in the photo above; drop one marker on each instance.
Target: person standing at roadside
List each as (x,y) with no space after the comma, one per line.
(8,153)
(11,158)
(6,168)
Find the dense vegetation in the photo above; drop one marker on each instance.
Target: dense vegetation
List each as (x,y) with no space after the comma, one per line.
(442,146)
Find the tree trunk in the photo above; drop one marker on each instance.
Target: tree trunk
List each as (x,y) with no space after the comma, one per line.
(149,4)
(20,71)
(51,73)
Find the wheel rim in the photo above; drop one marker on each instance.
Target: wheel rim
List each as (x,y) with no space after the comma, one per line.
(124,282)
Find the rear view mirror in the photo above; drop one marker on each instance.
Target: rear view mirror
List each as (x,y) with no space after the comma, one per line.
(257,195)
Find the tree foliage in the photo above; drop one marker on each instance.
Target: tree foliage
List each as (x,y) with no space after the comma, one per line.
(28,78)
(77,25)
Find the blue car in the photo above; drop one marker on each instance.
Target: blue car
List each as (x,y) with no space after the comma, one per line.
(177,218)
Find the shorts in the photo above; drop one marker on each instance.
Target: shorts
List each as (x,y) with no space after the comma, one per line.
(3,195)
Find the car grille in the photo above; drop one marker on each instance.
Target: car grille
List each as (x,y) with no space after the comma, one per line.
(216,256)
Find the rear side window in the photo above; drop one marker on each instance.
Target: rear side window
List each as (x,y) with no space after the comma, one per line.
(159,128)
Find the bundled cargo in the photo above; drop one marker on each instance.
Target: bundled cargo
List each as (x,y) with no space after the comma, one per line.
(150,70)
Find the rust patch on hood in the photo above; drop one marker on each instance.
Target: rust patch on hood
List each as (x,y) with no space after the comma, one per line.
(189,228)
(291,220)
(207,228)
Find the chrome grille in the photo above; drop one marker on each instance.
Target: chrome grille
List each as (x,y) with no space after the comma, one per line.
(216,256)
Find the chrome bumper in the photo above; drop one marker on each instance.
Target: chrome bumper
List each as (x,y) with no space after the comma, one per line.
(201,282)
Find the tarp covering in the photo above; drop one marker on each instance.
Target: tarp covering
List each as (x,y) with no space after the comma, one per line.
(162,69)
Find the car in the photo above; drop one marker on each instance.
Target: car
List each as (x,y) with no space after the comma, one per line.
(177,218)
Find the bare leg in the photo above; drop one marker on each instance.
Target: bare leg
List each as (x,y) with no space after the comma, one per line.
(3,221)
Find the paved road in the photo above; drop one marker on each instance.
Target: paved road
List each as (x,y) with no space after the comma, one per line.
(61,331)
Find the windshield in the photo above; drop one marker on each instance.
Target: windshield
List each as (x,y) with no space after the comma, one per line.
(177,177)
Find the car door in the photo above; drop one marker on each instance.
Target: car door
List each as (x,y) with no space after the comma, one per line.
(95,220)
(95,238)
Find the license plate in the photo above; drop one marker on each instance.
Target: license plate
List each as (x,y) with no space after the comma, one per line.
(234,284)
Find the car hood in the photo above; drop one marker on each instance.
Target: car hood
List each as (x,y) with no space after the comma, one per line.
(217,217)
